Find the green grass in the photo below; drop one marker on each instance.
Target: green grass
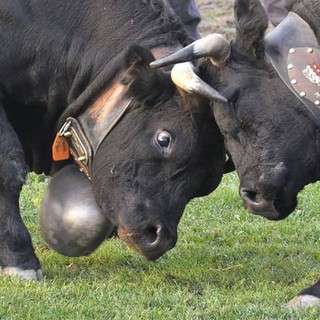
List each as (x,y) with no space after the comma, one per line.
(227,264)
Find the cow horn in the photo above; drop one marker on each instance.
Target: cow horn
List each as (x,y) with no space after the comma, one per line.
(215,46)
(183,76)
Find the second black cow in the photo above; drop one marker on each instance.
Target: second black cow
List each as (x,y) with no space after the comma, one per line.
(271,121)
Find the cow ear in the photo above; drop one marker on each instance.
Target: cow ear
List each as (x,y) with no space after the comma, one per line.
(251,24)
(144,83)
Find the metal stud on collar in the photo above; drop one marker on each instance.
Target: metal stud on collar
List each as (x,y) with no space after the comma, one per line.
(311,71)
(302,94)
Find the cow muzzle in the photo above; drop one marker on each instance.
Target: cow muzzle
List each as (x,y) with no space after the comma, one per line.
(276,207)
(255,203)
(268,193)
(151,241)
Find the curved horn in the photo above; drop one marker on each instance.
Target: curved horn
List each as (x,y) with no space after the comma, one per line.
(215,46)
(183,76)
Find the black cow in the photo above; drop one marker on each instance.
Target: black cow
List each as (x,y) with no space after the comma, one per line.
(83,66)
(270,130)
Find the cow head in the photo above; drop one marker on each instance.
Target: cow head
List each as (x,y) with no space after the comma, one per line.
(270,135)
(164,151)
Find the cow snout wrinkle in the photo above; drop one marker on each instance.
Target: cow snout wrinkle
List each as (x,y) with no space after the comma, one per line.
(257,204)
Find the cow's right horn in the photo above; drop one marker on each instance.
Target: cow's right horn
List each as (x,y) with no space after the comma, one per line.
(215,46)
(184,76)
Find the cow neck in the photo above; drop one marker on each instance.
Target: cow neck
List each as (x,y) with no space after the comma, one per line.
(294,52)
(85,133)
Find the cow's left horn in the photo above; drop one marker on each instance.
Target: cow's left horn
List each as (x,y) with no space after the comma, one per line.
(215,46)
(183,76)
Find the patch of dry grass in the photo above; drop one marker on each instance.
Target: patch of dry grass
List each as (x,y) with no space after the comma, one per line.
(217,16)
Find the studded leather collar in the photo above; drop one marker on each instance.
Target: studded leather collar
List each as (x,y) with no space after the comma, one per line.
(294,52)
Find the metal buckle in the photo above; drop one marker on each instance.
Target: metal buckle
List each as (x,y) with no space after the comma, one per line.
(79,145)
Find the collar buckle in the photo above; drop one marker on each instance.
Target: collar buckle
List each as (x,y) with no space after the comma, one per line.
(79,145)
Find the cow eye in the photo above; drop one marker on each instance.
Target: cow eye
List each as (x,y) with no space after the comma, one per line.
(164,139)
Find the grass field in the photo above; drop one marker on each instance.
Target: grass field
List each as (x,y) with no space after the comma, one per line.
(227,264)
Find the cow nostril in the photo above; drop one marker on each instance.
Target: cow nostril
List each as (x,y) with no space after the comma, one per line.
(259,203)
(249,195)
(152,234)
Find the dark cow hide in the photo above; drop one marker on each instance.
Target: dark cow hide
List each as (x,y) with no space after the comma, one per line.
(61,59)
(272,137)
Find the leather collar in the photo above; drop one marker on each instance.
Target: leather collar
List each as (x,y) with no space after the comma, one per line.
(294,52)
(85,134)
